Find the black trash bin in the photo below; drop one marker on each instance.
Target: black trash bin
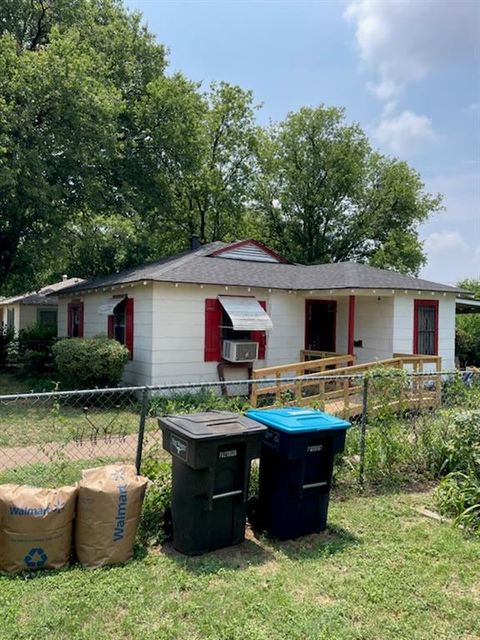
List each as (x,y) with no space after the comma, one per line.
(211,455)
(296,465)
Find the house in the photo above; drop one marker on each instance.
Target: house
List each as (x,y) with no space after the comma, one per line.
(34,308)
(175,315)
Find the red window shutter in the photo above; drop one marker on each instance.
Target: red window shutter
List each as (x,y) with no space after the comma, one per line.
(213,316)
(260,336)
(69,319)
(129,326)
(110,326)
(80,319)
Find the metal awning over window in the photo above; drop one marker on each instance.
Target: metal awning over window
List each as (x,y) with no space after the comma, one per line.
(246,314)
(107,308)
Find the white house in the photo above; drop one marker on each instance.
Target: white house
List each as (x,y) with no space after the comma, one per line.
(175,314)
(34,308)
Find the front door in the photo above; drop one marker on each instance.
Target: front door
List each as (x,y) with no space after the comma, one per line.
(320,321)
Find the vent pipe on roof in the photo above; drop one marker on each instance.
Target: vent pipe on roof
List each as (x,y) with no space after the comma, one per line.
(64,277)
(195,243)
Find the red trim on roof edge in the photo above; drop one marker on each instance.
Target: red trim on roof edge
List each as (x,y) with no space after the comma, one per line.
(241,243)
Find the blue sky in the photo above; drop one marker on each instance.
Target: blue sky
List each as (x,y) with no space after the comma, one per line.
(406,70)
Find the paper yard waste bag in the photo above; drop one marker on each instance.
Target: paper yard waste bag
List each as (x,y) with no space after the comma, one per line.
(35,527)
(108,512)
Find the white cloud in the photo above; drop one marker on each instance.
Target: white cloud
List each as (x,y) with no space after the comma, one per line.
(450,257)
(440,242)
(474,107)
(404,132)
(403,41)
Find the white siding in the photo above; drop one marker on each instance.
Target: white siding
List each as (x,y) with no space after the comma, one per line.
(403,328)
(169,328)
(374,327)
(179,332)
(138,370)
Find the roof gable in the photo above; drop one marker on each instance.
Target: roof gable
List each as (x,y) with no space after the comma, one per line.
(250,250)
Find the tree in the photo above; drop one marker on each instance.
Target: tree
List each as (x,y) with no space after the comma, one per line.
(467,338)
(58,127)
(201,185)
(326,196)
(72,73)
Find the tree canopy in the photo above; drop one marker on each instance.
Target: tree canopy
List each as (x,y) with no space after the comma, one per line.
(467,345)
(106,161)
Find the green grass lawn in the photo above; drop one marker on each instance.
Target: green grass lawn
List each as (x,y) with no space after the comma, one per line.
(383,572)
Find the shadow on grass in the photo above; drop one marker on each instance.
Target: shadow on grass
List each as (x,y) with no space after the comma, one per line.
(257,550)
(316,545)
(238,557)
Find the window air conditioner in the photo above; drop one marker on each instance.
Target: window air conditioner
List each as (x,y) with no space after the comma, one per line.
(239,350)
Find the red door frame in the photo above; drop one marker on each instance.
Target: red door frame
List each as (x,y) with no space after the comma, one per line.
(416,305)
(351,325)
(310,301)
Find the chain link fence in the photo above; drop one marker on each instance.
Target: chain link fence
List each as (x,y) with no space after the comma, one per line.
(48,438)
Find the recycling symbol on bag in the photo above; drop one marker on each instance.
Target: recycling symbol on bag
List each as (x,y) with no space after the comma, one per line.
(36,558)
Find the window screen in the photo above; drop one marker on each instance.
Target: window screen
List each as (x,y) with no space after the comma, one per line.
(426,334)
(119,323)
(47,318)
(11,318)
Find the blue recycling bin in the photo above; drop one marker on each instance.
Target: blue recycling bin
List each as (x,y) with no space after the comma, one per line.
(296,466)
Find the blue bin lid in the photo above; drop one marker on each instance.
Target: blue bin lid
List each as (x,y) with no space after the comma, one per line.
(297,419)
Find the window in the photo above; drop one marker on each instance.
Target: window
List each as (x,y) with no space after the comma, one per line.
(47,318)
(120,323)
(425,327)
(75,320)
(11,319)
(227,332)
(219,327)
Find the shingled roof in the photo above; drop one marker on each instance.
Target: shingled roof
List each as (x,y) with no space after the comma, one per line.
(40,296)
(201,267)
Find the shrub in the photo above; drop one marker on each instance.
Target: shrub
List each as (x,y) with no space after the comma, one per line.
(462,446)
(155,525)
(458,496)
(34,346)
(7,337)
(204,400)
(84,363)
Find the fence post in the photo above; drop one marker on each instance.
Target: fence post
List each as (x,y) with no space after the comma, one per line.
(141,428)
(363,432)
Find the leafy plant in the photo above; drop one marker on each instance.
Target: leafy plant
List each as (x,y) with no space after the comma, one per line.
(7,336)
(35,345)
(458,496)
(86,363)
(203,400)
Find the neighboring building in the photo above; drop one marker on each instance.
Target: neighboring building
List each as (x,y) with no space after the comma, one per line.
(174,314)
(34,308)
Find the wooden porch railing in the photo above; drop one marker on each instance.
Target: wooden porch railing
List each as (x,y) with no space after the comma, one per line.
(311,354)
(312,367)
(343,397)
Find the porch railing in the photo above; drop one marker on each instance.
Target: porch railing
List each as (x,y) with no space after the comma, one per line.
(311,354)
(345,394)
(304,368)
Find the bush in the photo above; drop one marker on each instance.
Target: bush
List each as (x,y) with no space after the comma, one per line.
(7,337)
(204,400)
(462,446)
(34,346)
(86,363)
(154,525)
(458,496)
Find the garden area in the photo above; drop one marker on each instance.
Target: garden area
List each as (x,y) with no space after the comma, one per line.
(398,560)
(382,571)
